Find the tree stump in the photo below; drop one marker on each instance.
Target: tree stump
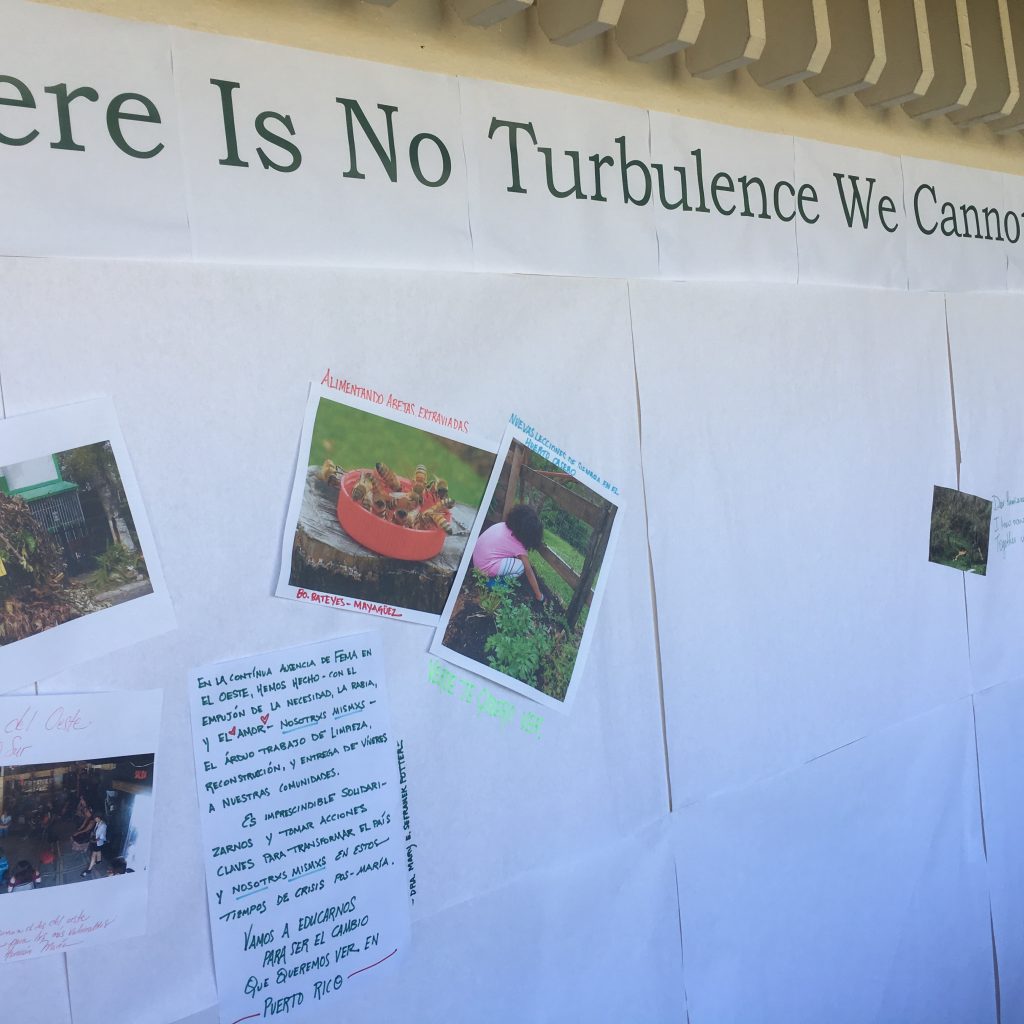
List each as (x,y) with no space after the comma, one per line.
(326,559)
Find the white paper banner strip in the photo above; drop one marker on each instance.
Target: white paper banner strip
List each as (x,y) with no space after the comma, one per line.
(152,142)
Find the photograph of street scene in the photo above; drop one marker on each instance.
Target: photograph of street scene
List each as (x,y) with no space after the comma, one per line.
(74,821)
(68,543)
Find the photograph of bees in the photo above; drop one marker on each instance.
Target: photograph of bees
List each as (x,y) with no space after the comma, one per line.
(532,581)
(383,510)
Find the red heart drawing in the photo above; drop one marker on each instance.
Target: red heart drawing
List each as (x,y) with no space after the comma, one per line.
(233,730)
(265,718)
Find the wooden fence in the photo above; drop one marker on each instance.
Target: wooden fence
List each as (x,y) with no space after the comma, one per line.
(598,517)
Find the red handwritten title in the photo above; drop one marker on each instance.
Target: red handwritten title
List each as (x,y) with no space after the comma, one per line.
(392,401)
(14,742)
(346,602)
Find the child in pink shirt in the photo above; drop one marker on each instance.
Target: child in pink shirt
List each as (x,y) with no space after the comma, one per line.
(500,550)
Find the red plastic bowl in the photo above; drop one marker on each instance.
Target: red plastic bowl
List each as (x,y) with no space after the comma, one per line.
(382,537)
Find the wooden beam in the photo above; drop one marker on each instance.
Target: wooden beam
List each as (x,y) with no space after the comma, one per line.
(858,52)
(573,503)
(909,69)
(797,42)
(954,83)
(381,3)
(559,566)
(1014,120)
(512,487)
(998,90)
(651,29)
(483,13)
(591,564)
(568,22)
(731,37)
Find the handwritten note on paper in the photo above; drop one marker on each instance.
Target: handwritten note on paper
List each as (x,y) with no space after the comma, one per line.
(66,763)
(299,796)
(1007,521)
(478,696)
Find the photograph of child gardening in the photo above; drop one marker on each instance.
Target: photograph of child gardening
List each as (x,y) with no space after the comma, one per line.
(523,605)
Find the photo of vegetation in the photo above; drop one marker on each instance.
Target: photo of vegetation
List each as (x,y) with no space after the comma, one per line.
(68,545)
(399,488)
(960,530)
(497,620)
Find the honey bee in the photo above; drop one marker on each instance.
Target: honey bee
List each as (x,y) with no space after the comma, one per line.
(434,517)
(439,486)
(439,507)
(409,517)
(389,476)
(420,476)
(328,473)
(376,490)
(404,501)
(362,495)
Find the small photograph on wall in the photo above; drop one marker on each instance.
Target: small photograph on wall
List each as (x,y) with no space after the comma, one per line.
(960,530)
(380,511)
(523,609)
(78,570)
(76,818)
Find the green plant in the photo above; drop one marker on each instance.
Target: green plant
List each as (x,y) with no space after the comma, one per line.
(33,590)
(490,592)
(519,643)
(116,565)
(558,665)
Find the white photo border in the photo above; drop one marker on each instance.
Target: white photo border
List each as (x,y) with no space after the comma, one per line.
(120,723)
(519,431)
(284,587)
(61,647)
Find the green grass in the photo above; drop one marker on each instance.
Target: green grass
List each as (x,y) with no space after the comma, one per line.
(565,551)
(551,579)
(356,440)
(554,582)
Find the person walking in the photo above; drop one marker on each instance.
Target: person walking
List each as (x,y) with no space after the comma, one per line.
(97,846)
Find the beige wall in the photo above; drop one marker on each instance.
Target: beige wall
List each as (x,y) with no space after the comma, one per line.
(427,34)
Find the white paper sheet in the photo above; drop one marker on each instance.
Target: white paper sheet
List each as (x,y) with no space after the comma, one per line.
(382,566)
(36,989)
(518,224)
(65,733)
(28,445)
(173,974)
(703,243)
(791,440)
(999,713)
(565,632)
(319,211)
(211,399)
(949,248)
(851,889)
(534,954)
(96,200)
(299,800)
(1013,186)
(861,236)
(984,339)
